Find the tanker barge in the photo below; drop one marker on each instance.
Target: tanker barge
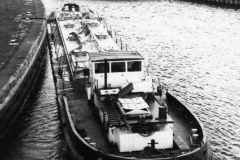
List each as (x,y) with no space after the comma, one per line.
(110,108)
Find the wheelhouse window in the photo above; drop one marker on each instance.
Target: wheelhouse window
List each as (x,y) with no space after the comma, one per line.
(134,66)
(80,54)
(118,67)
(100,67)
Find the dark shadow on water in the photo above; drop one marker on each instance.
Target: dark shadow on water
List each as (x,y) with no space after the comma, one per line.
(37,133)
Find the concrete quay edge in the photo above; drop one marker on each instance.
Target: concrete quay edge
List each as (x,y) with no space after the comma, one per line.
(14,73)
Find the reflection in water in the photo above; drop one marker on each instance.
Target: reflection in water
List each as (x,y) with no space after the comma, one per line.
(192,48)
(38,134)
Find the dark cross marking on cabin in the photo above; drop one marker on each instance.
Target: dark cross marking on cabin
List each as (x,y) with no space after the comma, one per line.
(153,143)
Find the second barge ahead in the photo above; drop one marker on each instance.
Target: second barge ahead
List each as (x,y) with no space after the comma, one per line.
(110,108)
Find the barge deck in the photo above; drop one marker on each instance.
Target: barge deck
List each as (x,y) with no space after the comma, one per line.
(81,117)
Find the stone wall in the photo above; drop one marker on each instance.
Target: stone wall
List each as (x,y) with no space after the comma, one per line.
(15,80)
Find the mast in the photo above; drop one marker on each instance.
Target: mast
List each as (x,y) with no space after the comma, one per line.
(105,73)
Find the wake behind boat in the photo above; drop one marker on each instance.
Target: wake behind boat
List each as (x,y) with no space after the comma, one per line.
(110,107)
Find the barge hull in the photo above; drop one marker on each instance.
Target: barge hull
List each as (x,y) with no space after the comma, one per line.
(82,128)
(77,144)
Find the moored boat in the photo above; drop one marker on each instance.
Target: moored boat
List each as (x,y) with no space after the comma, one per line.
(110,107)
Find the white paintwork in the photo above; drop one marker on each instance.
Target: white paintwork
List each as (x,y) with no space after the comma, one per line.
(136,105)
(89,42)
(88,90)
(121,79)
(109,91)
(105,44)
(136,142)
(95,39)
(128,142)
(140,84)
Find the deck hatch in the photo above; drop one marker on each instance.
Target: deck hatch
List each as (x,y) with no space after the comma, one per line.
(134,106)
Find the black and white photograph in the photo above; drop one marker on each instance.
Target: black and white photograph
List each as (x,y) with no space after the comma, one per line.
(119,79)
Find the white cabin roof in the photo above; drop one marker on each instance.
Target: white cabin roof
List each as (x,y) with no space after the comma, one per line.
(115,56)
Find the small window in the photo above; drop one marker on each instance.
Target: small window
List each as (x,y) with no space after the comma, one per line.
(93,24)
(118,67)
(134,66)
(99,67)
(71,37)
(101,36)
(80,54)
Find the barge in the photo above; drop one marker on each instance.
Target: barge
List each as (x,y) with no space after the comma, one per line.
(110,108)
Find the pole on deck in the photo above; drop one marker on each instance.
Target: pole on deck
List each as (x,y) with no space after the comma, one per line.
(105,73)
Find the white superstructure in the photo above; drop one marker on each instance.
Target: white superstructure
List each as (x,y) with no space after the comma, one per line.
(115,82)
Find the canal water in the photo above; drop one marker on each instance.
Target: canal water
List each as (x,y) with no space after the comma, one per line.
(193,49)
(37,133)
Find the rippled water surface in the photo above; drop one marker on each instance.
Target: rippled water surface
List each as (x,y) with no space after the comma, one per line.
(38,134)
(193,49)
